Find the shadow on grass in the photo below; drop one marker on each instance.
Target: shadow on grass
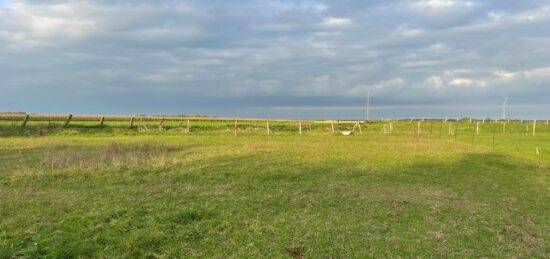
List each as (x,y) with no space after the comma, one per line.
(482,204)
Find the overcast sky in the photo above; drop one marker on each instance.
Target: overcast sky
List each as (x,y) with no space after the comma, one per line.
(276,58)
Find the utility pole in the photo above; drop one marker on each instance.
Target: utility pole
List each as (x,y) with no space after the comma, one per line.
(368,106)
(504,108)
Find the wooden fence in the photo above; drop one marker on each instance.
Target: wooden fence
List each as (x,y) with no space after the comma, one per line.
(138,120)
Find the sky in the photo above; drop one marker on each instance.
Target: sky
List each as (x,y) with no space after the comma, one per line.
(310,59)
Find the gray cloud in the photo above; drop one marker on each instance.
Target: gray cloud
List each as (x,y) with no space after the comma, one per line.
(276,58)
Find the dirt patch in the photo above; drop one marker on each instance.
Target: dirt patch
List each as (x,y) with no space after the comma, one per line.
(294,252)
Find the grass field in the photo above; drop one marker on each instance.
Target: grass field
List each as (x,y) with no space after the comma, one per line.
(117,192)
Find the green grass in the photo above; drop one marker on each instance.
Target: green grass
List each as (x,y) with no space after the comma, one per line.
(85,191)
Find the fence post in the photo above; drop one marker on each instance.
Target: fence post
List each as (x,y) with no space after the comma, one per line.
(534,127)
(332,126)
(267,127)
(494,132)
(188,127)
(456,129)
(143,126)
(160,123)
(477,128)
(504,128)
(235,128)
(25,120)
(474,131)
(419,130)
(300,127)
(101,121)
(68,120)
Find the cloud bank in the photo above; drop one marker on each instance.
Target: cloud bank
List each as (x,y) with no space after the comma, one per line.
(276,58)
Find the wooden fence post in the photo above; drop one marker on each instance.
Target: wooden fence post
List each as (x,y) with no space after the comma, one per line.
(101,121)
(188,127)
(25,120)
(235,128)
(419,129)
(267,127)
(300,127)
(474,131)
(68,120)
(143,125)
(456,129)
(534,127)
(160,123)
(504,128)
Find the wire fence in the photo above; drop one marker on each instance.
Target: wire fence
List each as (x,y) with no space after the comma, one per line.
(528,136)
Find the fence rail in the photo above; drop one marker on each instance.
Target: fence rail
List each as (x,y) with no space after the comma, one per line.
(64,117)
(61,117)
